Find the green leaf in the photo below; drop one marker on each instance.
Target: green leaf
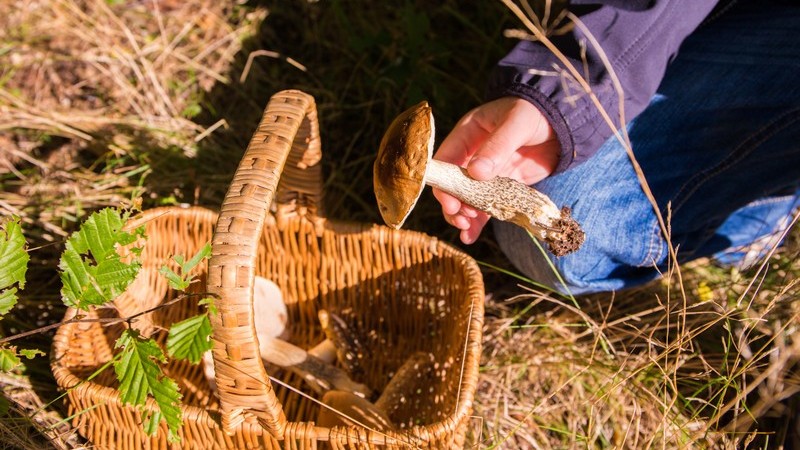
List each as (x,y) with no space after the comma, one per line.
(191,110)
(8,298)
(30,353)
(4,405)
(13,263)
(140,375)
(175,280)
(190,338)
(92,271)
(203,253)
(8,360)
(182,281)
(151,423)
(210,304)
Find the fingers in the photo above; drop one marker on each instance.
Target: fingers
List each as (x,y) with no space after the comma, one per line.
(462,216)
(533,164)
(507,137)
(521,125)
(450,204)
(459,146)
(471,227)
(471,233)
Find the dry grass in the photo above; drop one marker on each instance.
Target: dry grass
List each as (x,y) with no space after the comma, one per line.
(87,86)
(30,424)
(140,65)
(640,370)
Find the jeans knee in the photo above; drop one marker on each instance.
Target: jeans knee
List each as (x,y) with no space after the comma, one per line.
(600,265)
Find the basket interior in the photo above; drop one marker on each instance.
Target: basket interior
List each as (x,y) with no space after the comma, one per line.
(399,292)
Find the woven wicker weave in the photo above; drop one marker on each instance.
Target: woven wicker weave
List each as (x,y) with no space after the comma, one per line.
(400,291)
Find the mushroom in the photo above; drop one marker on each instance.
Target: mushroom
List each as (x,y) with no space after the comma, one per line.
(405,165)
(314,366)
(320,375)
(411,384)
(349,349)
(346,409)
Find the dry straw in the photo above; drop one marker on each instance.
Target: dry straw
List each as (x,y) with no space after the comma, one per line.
(90,79)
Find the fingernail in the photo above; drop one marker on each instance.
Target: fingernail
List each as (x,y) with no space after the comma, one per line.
(482,164)
(466,239)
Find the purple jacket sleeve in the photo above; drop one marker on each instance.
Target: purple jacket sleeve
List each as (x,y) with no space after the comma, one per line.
(639,37)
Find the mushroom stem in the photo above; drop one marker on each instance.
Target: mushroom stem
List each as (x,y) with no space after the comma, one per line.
(408,386)
(320,375)
(510,201)
(325,351)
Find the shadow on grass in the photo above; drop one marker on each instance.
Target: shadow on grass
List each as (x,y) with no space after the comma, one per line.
(364,62)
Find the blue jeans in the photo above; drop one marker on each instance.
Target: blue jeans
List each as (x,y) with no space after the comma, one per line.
(719,145)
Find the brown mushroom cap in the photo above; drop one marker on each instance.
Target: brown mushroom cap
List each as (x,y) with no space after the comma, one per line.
(399,171)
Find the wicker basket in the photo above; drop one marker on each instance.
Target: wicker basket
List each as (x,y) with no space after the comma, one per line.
(401,292)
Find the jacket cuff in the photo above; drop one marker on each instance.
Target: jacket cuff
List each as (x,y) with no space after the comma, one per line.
(549,109)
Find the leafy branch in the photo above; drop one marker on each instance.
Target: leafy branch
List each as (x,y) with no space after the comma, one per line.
(93,270)
(107,320)
(99,262)
(181,281)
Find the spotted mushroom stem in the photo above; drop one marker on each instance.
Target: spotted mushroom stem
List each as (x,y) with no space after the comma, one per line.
(407,386)
(511,201)
(415,373)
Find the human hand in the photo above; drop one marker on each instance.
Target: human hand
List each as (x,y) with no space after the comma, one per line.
(506,137)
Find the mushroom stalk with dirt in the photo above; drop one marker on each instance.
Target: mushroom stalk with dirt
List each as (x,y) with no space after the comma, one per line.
(405,165)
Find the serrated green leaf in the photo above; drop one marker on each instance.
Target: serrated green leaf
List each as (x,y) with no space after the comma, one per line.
(175,280)
(30,353)
(8,298)
(8,360)
(203,253)
(210,304)
(140,375)
(92,271)
(151,422)
(190,338)
(181,281)
(13,263)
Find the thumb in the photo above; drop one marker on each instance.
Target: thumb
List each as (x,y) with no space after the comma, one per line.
(523,125)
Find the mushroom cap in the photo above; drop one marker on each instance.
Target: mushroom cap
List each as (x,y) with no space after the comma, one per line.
(269,311)
(403,156)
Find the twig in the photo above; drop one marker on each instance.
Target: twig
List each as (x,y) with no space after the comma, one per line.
(107,320)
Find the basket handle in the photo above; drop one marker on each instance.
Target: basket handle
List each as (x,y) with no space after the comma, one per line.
(285,146)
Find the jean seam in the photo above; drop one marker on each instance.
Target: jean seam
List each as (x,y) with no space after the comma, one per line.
(768,200)
(653,247)
(744,149)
